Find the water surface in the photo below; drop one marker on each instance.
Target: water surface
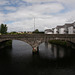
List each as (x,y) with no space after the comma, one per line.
(52,60)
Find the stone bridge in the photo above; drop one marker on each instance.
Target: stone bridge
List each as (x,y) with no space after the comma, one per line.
(35,39)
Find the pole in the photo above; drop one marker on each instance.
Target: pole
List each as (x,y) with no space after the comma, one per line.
(34,23)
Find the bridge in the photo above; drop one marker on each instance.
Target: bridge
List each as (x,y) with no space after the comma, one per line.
(36,39)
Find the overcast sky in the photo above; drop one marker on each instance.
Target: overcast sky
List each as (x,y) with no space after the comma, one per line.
(19,14)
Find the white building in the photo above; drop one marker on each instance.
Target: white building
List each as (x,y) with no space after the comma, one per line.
(55,31)
(71,29)
(59,30)
(66,28)
(48,31)
(62,30)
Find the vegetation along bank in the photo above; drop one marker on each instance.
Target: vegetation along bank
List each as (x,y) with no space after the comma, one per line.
(62,43)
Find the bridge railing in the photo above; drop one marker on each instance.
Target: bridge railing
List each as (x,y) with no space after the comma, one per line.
(39,36)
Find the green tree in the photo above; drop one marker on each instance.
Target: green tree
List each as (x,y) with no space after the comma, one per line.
(3,28)
(14,32)
(36,31)
(0,28)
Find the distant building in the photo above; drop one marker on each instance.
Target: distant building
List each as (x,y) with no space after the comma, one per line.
(59,30)
(48,31)
(66,28)
(71,29)
(29,32)
(20,32)
(55,31)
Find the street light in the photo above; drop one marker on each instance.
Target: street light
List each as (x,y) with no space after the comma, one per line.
(34,23)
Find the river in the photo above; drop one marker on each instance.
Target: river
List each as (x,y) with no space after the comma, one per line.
(51,60)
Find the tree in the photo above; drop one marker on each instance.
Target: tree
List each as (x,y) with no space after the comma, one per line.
(14,32)
(3,28)
(0,28)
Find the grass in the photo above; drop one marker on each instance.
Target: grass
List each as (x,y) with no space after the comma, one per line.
(60,42)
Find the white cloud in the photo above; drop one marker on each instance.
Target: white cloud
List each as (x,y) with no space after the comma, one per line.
(4,2)
(46,8)
(70,4)
(40,23)
(66,1)
(37,0)
(2,19)
(23,16)
(70,16)
(10,8)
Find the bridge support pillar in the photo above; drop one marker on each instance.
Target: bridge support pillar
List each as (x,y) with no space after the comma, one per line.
(35,50)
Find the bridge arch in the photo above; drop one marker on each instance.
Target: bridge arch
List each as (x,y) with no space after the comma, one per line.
(35,39)
(3,40)
(18,44)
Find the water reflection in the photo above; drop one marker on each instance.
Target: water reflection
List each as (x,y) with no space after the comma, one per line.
(20,60)
(58,51)
(53,51)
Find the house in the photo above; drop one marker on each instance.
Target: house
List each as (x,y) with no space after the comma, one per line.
(59,30)
(29,32)
(71,29)
(55,31)
(48,31)
(64,29)
(67,28)
(74,28)
(20,32)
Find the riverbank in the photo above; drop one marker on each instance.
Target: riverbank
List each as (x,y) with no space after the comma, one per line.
(62,43)
(6,44)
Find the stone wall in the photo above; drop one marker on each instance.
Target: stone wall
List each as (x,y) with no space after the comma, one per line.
(35,39)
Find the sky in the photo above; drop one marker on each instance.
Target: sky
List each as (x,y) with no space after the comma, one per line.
(19,15)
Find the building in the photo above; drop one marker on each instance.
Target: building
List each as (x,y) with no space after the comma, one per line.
(48,31)
(66,28)
(29,32)
(71,29)
(59,30)
(20,32)
(55,31)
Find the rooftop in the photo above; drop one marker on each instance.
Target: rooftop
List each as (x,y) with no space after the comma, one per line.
(60,27)
(49,30)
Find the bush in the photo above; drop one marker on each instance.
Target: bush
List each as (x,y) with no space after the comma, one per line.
(59,42)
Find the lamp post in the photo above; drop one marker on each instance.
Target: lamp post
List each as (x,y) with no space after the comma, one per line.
(34,23)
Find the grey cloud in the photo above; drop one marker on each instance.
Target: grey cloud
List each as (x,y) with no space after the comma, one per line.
(20,17)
